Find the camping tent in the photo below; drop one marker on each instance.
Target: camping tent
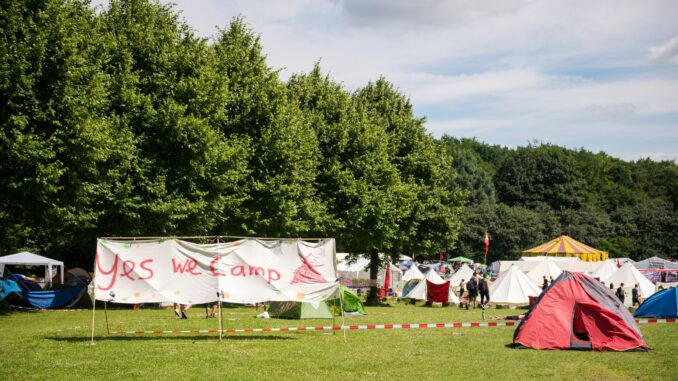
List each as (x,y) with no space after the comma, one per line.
(604,271)
(577,312)
(412,273)
(513,287)
(351,303)
(300,310)
(565,246)
(464,273)
(29,259)
(420,291)
(546,268)
(656,263)
(663,304)
(629,275)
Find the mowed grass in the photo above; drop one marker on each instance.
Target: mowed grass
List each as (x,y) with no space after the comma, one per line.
(56,346)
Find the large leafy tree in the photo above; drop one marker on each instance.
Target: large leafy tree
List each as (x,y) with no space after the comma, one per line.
(283,153)
(431,217)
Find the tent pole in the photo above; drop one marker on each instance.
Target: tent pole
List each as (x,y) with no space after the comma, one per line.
(108,331)
(341,306)
(94,308)
(221,322)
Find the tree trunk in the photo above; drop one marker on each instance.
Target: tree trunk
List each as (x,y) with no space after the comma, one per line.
(373,296)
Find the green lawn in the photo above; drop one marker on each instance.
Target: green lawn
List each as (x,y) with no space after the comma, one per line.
(55,346)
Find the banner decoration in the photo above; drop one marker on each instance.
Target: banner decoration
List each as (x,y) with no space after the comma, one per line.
(244,271)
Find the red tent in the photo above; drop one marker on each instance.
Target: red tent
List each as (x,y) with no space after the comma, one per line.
(578,312)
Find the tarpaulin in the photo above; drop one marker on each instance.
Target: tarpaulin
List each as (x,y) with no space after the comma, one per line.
(438,293)
(244,271)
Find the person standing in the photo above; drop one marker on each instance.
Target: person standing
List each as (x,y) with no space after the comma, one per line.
(620,293)
(635,295)
(472,287)
(484,291)
(544,283)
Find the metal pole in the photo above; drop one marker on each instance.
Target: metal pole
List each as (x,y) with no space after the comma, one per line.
(94,308)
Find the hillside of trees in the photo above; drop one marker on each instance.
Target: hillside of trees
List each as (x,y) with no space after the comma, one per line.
(123,122)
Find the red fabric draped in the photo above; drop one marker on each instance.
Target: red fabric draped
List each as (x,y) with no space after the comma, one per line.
(438,293)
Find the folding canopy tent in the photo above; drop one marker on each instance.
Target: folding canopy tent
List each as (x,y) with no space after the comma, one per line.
(460,259)
(29,259)
(565,246)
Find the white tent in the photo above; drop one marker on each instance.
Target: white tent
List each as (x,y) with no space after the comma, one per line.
(523,266)
(578,266)
(604,271)
(360,269)
(546,268)
(513,287)
(464,273)
(412,273)
(419,291)
(29,259)
(630,276)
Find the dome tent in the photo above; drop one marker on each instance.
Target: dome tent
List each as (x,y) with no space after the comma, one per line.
(577,312)
(663,304)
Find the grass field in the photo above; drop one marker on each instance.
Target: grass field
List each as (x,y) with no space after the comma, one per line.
(56,346)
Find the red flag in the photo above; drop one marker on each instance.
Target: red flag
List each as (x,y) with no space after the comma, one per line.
(442,257)
(486,240)
(387,281)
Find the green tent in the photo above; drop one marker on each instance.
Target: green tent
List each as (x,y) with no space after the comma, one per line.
(325,310)
(460,259)
(350,301)
(299,310)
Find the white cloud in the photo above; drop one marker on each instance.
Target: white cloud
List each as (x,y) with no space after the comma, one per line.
(667,52)
(527,66)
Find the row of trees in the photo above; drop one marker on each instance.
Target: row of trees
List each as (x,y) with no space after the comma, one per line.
(531,194)
(121,122)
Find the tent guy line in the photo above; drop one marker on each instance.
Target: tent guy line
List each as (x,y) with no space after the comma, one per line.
(364,327)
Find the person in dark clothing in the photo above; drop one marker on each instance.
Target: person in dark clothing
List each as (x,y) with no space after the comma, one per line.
(472,288)
(484,291)
(635,295)
(545,283)
(620,293)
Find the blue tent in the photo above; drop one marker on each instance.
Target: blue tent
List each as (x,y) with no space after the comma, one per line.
(663,304)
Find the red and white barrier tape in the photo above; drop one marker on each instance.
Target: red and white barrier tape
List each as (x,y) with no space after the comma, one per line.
(507,323)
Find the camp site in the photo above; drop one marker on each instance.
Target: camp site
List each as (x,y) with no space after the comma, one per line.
(332,190)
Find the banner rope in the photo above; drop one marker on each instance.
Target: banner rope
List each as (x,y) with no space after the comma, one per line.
(503,323)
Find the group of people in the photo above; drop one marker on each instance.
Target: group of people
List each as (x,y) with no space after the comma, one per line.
(621,294)
(476,286)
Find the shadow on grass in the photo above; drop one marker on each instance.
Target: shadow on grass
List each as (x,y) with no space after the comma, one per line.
(168,337)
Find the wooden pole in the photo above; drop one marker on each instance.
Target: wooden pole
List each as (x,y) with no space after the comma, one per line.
(108,331)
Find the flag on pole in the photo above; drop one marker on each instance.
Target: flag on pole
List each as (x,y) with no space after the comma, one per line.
(387,281)
(486,240)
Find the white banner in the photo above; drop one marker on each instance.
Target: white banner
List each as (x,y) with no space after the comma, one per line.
(245,271)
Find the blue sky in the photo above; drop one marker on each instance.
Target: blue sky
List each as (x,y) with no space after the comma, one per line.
(599,75)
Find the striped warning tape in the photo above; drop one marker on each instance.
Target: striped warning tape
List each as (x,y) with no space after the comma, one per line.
(508,323)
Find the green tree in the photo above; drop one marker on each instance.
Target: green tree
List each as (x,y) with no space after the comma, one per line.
(283,156)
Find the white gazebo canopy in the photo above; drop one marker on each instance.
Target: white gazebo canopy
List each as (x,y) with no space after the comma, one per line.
(29,259)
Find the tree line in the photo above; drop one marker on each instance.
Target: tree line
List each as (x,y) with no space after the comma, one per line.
(120,121)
